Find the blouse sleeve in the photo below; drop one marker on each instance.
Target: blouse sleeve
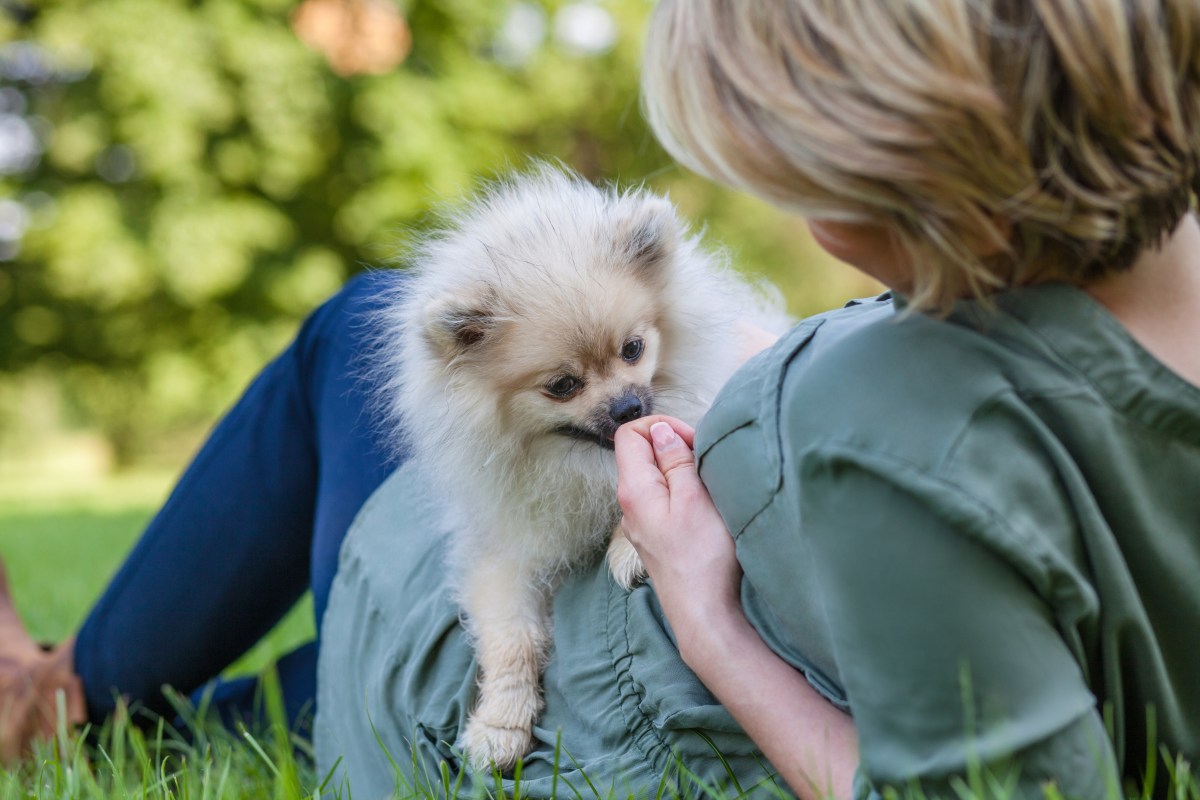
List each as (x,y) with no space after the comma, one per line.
(952,663)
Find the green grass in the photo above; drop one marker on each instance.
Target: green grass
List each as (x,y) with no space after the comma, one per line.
(160,763)
(62,544)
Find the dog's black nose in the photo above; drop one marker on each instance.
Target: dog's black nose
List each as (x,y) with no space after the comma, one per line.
(626,408)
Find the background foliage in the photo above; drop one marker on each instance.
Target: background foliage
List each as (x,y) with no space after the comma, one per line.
(195,178)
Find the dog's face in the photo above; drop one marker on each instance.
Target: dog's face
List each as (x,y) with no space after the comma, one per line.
(564,364)
(579,372)
(564,341)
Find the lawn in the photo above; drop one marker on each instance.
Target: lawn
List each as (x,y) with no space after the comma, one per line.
(61,545)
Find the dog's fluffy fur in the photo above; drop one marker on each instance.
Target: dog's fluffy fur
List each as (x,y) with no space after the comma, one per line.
(542,316)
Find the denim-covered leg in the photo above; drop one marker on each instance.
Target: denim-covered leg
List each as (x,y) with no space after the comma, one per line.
(233,700)
(255,520)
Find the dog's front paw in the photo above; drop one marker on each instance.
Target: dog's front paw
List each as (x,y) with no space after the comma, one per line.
(624,563)
(489,746)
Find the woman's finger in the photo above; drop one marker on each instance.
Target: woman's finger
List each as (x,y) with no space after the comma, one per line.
(639,480)
(674,457)
(642,427)
(635,456)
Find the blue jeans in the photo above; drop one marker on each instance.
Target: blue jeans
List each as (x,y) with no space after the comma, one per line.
(257,519)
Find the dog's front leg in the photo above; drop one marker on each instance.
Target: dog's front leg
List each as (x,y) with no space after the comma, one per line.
(623,561)
(507,609)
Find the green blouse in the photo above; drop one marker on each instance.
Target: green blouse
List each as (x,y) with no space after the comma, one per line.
(982,534)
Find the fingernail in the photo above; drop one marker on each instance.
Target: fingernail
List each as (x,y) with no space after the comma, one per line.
(663,436)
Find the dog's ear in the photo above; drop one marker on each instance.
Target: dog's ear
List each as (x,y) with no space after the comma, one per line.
(456,326)
(648,235)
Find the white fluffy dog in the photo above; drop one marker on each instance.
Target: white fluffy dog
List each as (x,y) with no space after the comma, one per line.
(546,314)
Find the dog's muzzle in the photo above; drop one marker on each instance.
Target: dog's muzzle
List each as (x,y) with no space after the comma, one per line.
(633,403)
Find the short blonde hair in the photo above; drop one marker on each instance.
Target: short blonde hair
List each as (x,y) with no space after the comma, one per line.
(1063,135)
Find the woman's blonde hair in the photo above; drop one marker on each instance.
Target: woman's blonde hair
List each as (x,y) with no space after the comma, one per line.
(1061,136)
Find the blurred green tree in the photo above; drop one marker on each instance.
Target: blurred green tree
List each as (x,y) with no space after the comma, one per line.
(196,177)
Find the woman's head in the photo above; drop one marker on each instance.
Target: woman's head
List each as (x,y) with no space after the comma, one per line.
(999,142)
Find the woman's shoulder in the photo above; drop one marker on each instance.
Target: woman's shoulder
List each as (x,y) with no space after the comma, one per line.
(904,405)
(914,387)
(909,393)
(982,416)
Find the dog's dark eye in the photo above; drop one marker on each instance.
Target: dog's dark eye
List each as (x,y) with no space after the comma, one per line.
(632,350)
(564,386)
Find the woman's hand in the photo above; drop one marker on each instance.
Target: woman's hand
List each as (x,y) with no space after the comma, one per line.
(671,521)
(689,555)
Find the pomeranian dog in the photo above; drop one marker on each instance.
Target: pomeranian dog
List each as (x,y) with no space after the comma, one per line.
(544,315)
